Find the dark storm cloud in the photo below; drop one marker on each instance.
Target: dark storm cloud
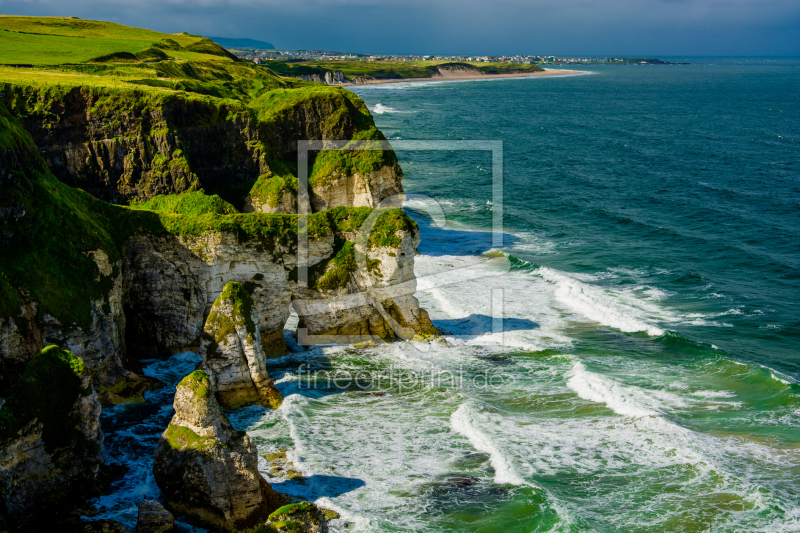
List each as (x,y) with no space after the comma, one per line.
(612,27)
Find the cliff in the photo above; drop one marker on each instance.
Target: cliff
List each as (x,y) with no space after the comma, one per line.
(232,352)
(134,188)
(137,282)
(51,445)
(206,468)
(124,145)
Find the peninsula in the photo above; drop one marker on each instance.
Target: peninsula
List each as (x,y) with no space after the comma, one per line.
(149,205)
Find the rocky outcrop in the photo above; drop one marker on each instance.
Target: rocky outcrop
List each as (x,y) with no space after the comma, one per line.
(117,285)
(172,282)
(153,518)
(99,344)
(163,287)
(124,145)
(207,469)
(376,301)
(232,353)
(380,188)
(329,77)
(302,517)
(51,444)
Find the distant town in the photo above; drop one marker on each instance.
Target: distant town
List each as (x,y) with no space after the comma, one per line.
(259,56)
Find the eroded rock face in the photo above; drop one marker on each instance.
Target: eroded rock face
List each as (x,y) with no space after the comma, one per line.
(232,353)
(100,344)
(152,298)
(207,469)
(164,287)
(302,517)
(172,282)
(379,188)
(180,144)
(376,303)
(153,518)
(51,444)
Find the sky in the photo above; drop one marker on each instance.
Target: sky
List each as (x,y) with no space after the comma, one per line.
(665,28)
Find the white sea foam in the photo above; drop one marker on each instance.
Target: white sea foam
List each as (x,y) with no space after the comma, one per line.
(462,422)
(617,309)
(380,109)
(777,376)
(625,400)
(715,393)
(465,306)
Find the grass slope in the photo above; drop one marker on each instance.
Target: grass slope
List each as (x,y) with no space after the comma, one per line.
(57,40)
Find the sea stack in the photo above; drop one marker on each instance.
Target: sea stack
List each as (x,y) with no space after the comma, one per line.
(51,444)
(232,353)
(207,469)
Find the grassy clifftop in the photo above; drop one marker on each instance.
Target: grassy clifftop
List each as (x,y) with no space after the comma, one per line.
(147,113)
(70,52)
(57,40)
(392,70)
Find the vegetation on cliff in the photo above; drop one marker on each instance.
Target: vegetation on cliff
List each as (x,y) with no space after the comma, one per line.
(191,204)
(241,315)
(49,261)
(390,69)
(47,392)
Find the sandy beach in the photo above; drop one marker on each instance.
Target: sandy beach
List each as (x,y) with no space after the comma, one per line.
(450,75)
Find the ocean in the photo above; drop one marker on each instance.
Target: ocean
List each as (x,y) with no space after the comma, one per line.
(646,376)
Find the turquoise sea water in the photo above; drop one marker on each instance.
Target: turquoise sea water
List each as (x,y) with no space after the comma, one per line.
(648,375)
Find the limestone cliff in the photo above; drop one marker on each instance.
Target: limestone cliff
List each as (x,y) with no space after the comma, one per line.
(173,280)
(232,353)
(122,145)
(61,281)
(366,291)
(51,444)
(116,284)
(207,469)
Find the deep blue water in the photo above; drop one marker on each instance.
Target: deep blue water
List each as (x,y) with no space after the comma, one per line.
(682,178)
(647,378)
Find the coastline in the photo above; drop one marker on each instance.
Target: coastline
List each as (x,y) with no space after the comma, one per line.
(454,76)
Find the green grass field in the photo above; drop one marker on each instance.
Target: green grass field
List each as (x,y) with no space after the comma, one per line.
(55,40)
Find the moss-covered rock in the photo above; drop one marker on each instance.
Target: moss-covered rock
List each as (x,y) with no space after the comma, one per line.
(51,444)
(301,517)
(232,352)
(208,470)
